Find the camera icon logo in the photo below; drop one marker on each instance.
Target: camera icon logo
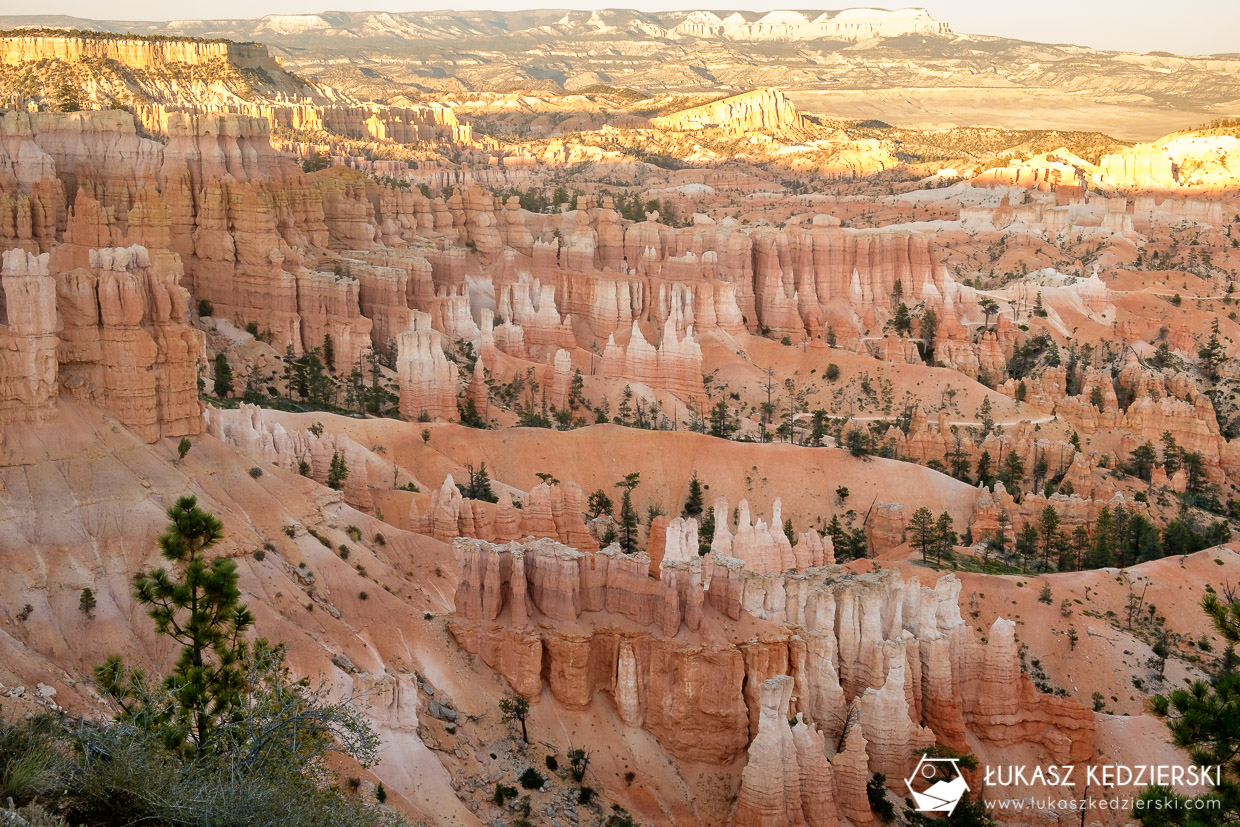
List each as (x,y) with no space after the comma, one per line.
(942,784)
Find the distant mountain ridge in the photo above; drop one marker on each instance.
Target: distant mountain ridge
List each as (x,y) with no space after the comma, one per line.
(902,67)
(847,25)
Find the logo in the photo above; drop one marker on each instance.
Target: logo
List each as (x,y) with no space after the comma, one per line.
(946,785)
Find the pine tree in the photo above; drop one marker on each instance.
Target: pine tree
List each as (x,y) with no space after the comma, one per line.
(1027,543)
(706,533)
(329,352)
(1204,719)
(254,392)
(901,320)
(922,527)
(959,462)
(577,391)
(945,538)
(223,376)
(1013,472)
(1039,309)
(1102,550)
(1143,461)
(984,474)
(469,416)
(86,602)
(839,537)
(856,544)
(318,383)
(337,472)
(479,487)
(624,411)
(599,504)
(68,98)
(1212,354)
(628,514)
(1080,548)
(928,328)
(693,503)
(357,387)
(203,612)
(516,708)
(989,307)
(1048,528)
(1170,453)
(720,420)
(1142,541)
(289,373)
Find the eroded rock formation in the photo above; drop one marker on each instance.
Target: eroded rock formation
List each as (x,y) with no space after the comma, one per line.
(897,649)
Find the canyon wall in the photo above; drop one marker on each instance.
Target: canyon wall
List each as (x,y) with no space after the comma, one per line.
(134,52)
(113,334)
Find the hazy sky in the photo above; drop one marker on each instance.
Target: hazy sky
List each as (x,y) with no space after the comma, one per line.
(1183,26)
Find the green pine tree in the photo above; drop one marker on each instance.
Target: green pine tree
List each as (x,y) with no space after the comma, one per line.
(945,537)
(329,352)
(201,609)
(223,376)
(337,472)
(628,514)
(923,530)
(1102,550)
(1204,720)
(693,503)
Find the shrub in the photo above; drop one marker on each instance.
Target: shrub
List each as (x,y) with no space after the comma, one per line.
(552,763)
(876,794)
(205,308)
(585,795)
(30,763)
(578,760)
(86,603)
(503,793)
(256,472)
(532,779)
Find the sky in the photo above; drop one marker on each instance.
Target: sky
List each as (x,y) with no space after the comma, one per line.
(1183,27)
